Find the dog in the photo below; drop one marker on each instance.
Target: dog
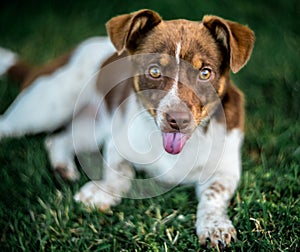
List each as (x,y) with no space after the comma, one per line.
(156,96)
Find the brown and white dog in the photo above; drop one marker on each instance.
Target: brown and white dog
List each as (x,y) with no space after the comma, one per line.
(162,102)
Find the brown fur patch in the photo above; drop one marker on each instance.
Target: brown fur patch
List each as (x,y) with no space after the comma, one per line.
(107,82)
(233,107)
(222,86)
(47,69)
(217,187)
(19,71)
(126,31)
(240,38)
(118,94)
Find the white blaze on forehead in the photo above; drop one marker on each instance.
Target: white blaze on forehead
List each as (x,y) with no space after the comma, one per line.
(177,57)
(171,98)
(177,53)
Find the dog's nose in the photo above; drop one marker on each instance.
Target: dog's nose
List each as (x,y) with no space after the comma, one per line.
(178,120)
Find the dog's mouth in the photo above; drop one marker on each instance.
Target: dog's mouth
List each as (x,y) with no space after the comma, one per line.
(174,141)
(177,127)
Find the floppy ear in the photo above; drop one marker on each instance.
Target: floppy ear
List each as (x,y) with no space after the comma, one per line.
(127,30)
(237,38)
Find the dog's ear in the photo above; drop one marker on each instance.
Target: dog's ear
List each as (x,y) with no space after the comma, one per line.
(125,31)
(237,38)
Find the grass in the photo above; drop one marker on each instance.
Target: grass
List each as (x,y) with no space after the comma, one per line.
(37,212)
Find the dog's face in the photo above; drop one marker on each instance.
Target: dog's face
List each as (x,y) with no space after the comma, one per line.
(181,68)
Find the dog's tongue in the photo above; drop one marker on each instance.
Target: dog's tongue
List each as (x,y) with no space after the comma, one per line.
(174,142)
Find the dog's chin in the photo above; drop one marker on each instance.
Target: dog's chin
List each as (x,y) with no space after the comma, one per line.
(174,141)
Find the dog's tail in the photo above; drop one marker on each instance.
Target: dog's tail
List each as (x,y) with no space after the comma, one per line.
(11,64)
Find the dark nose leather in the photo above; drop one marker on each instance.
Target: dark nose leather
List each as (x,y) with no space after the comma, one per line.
(178,120)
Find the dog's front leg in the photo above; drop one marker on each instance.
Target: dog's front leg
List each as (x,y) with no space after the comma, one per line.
(116,182)
(213,223)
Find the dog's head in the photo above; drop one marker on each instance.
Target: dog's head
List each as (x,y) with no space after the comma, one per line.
(181,67)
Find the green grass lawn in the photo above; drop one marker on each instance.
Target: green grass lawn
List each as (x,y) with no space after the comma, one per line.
(37,212)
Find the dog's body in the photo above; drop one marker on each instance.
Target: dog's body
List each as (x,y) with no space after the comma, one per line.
(164,103)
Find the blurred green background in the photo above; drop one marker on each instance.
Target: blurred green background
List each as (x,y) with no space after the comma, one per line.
(36,209)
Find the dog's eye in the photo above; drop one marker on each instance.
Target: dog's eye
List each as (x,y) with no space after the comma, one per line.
(154,72)
(205,73)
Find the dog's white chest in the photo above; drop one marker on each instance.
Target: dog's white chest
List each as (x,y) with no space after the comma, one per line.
(137,139)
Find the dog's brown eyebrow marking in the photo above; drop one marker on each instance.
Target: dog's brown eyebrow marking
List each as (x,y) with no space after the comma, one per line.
(197,62)
(136,83)
(222,85)
(152,112)
(164,60)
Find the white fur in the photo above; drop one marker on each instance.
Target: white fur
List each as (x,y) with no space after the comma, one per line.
(174,89)
(177,53)
(139,140)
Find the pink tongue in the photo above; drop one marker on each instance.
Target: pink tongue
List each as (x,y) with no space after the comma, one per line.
(174,142)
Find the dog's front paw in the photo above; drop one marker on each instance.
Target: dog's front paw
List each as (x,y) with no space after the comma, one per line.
(61,161)
(218,231)
(67,171)
(97,194)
